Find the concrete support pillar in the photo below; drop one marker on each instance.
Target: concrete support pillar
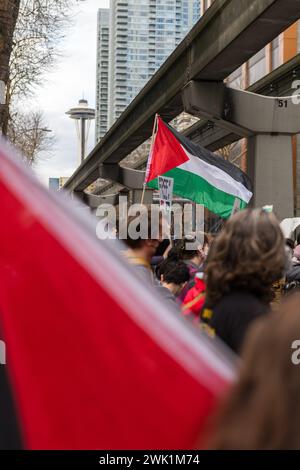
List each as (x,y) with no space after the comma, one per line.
(270,166)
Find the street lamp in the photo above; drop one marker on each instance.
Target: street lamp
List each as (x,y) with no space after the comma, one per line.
(43,129)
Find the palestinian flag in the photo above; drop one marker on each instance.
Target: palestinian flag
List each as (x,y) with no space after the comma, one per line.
(90,357)
(199,175)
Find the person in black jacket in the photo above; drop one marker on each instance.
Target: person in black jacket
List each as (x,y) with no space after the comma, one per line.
(262,409)
(244,261)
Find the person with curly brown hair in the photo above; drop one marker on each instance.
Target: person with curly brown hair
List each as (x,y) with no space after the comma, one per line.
(244,261)
(262,410)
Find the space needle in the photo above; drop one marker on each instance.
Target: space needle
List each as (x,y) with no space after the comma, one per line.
(82,115)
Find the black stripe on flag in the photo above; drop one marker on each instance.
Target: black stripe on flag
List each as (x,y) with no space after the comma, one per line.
(213,159)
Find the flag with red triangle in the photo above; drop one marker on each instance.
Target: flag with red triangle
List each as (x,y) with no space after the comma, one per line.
(198,174)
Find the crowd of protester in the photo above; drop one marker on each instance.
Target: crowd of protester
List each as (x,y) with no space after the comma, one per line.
(226,281)
(237,286)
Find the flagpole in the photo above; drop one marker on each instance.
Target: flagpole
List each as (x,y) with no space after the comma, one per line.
(151,147)
(143,193)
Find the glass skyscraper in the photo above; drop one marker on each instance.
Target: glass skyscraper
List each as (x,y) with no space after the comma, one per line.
(101,123)
(143,33)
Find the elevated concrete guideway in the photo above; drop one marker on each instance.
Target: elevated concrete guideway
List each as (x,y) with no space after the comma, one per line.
(230,32)
(204,132)
(241,111)
(268,122)
(276,83)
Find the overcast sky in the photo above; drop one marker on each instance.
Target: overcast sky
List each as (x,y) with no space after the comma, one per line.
(73,76)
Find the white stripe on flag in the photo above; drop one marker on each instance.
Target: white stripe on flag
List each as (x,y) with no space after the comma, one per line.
(216,177)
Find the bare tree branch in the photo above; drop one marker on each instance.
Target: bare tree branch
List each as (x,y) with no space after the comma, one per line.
(41,25)
(29,134)
(8,17)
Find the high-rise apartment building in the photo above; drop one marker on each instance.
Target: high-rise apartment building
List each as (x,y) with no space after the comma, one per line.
(143,33)
(55,184)
(101,124)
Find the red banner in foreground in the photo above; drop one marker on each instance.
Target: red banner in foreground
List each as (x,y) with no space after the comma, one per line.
(96,361)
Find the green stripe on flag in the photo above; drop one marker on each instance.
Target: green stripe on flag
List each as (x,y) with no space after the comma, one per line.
(194,187)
